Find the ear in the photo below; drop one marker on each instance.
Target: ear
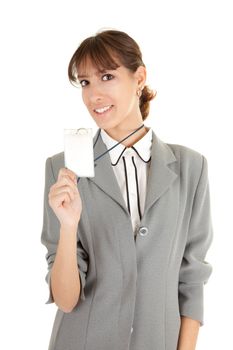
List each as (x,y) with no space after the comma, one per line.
(140,75)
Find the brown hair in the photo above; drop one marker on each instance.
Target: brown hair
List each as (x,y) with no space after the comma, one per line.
(101,49)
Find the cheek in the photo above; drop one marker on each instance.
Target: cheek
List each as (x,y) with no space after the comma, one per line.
(119,94)
(127,96)
(84,98)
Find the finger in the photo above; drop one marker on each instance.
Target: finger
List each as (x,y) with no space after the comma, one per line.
(66,180)
(66,171)
(63,189)
(64,185)
(61,199)
(56,199)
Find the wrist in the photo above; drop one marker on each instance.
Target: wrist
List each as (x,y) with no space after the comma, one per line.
(68,229)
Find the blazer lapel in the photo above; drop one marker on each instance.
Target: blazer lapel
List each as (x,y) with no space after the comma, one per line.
(160,176)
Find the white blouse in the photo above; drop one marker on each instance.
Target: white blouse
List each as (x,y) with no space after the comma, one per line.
(131,166)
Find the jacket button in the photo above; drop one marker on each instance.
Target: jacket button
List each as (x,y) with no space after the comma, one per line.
(143,231)
(131,329)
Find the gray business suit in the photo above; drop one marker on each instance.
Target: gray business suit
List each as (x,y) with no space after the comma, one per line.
(134,291)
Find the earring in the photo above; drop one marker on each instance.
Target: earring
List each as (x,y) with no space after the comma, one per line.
(139,92)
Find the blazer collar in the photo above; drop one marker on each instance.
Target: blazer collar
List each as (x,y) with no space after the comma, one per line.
(160,176)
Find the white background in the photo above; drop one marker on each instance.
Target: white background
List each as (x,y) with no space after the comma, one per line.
(187,48)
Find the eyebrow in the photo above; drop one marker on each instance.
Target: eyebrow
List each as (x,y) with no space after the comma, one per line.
(97,73)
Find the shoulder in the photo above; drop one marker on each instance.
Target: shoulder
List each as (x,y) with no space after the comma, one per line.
(191,161)
(187,159)
(56,161)
(185,153)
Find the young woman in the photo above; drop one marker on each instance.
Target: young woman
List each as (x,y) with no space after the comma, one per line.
(126,248)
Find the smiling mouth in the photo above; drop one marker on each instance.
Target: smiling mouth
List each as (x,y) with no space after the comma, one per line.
(103,111)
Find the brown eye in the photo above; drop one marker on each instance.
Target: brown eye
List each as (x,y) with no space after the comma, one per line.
(108,75)
(81,83)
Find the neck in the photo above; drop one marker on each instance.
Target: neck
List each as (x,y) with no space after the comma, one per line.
(120,134)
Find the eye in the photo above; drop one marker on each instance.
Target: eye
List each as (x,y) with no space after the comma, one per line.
(81,83)
(108,75)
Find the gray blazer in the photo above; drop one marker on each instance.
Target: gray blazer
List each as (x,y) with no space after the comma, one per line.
(134,291)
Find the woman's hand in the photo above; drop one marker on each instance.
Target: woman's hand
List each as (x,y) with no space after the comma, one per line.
(65,200)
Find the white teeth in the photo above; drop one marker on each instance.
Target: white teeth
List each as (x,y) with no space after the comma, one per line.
(101,110)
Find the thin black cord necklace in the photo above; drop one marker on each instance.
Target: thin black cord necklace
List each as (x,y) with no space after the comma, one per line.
(108,150)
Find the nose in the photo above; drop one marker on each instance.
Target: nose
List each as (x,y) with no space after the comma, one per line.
(95,92)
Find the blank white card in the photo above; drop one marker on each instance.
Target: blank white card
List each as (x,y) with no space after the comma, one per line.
(78,151)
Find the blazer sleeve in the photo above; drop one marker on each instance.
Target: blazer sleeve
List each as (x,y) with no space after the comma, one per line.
(194,270)
(50,236)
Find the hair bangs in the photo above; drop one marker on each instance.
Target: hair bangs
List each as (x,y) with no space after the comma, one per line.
(98,53)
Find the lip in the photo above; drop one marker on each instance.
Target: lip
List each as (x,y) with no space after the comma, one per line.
(104,113)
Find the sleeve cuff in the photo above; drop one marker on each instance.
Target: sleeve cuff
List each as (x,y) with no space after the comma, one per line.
(82,284)
(191,300)
(48,279)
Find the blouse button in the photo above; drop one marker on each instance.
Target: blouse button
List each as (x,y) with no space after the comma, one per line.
(143,231)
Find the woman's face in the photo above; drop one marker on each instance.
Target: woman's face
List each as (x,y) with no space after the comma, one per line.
(115,89)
